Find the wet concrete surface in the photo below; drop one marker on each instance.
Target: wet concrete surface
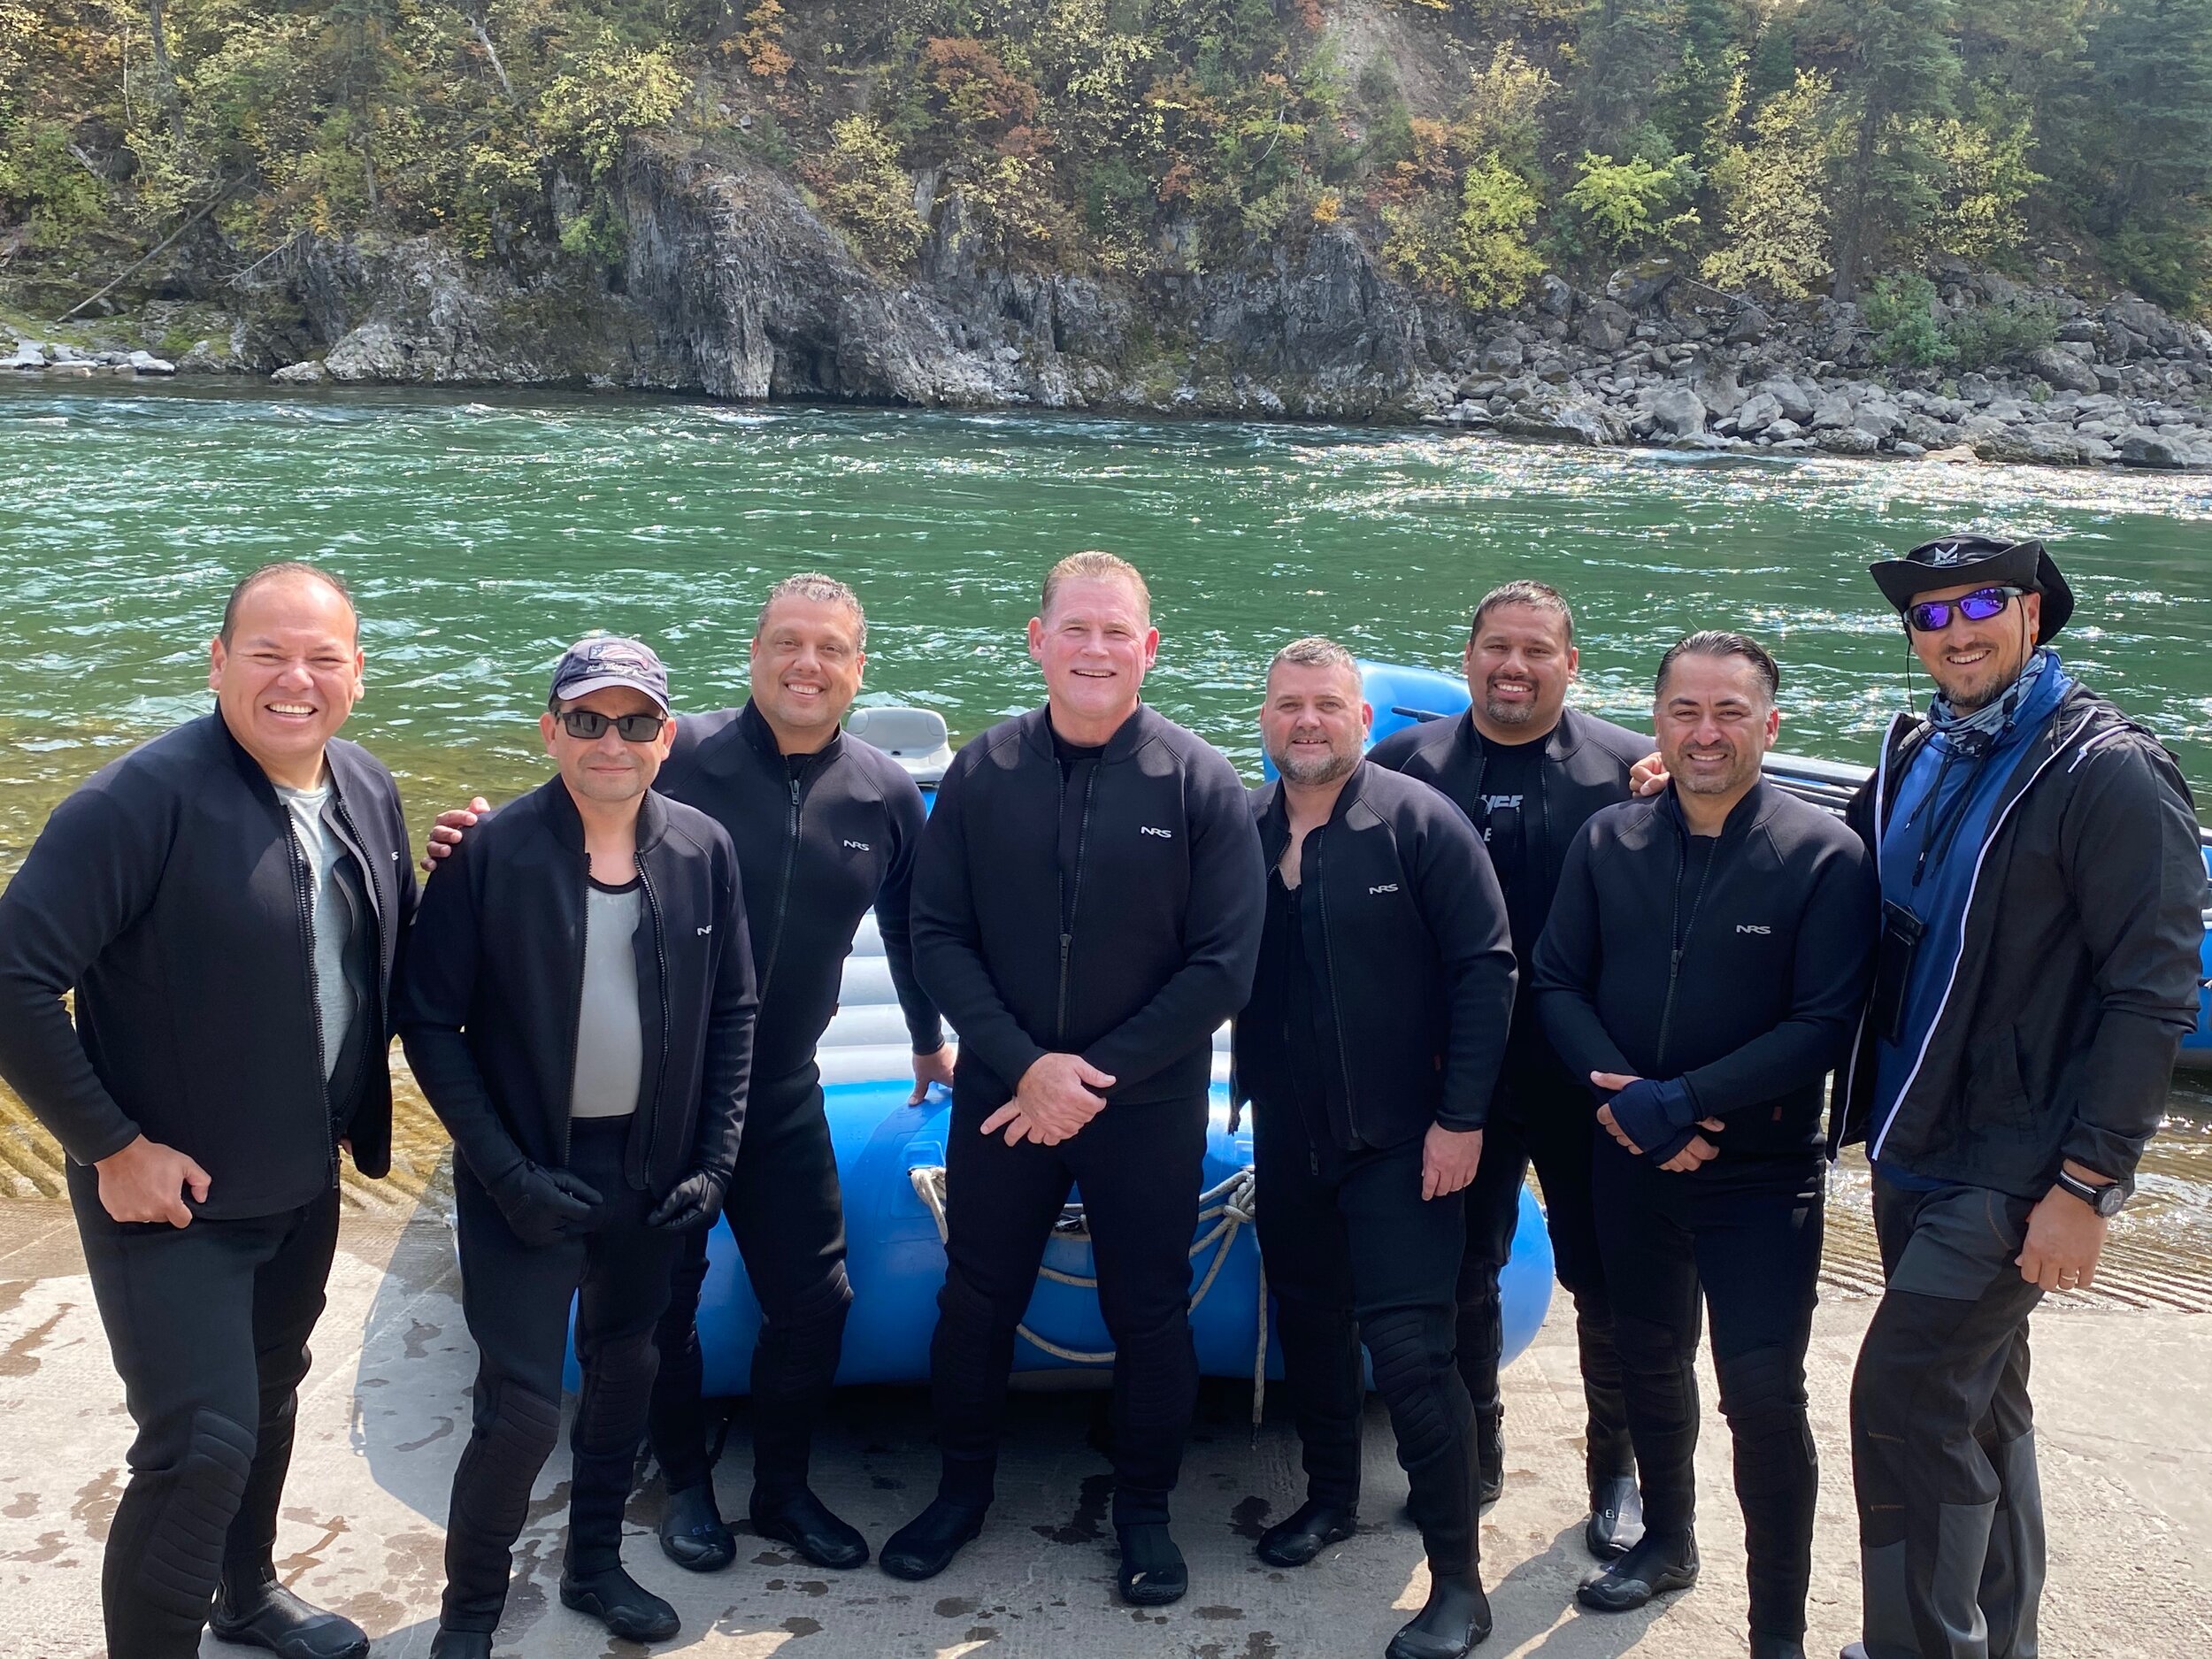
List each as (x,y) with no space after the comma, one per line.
(2124,1396)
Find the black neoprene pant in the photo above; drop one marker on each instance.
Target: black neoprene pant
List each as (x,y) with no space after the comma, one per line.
(787,1213)
(1139,1168)
(517,1298)
(1354,1253)
(209,1326)
(1742,1242)
(1551,1130)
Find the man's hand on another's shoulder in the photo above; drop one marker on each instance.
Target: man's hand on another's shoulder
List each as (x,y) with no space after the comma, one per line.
(1648,776)
(446,829)
(1055,1098)
(145,1181)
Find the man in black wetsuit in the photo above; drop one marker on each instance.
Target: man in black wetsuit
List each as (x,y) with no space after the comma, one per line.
(1369,1051)
(226,903)
(1086,913)
(1529,771)
(824,828)
(578,1007)
(1704,965)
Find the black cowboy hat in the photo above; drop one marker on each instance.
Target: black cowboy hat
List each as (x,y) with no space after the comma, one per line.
(1952,561)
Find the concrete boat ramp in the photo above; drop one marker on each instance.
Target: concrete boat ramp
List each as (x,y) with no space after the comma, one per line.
(2124,1396)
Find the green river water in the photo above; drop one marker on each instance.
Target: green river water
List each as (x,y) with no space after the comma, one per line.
(483,531)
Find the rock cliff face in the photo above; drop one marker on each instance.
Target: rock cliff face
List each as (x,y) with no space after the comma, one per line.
(732,285)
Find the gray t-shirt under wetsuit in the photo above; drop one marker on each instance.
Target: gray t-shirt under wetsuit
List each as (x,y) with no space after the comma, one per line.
(610,1040)
(334,921)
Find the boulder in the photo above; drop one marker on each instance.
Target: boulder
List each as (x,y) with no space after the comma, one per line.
(1568,420)
(1847,440)
(1678,411)
(2062,369)
(1881,419)
(1501,354)
(1606,327)
(1714,384)
(1553,297)
(1795,404)
(1759,411)
(27,356)
(2138,446)
(1832,413)
(308,373)
(1748,323)
(2145,322)
(147,362)
(1784,431)
(1976,389)
(2029,449)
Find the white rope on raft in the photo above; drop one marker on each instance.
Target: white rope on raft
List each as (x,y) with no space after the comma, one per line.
(1228,1206)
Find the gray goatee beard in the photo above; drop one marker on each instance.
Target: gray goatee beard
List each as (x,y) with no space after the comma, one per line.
(1315,772)
(1509,713)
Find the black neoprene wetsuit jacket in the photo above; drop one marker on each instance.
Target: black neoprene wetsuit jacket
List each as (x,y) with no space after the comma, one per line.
(1405,944)
(1153,861)
(169,892)
(489,1006)
(1583,769)
(1737,963)
(815,847)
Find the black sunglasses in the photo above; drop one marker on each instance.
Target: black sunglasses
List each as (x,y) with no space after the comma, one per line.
(590,725)
(1933,616)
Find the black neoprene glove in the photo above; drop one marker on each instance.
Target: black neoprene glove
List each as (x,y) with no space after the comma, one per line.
(693,1201)
(540,1203)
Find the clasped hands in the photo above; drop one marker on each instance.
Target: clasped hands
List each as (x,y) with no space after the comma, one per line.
(1056,1096)
(1642,1117)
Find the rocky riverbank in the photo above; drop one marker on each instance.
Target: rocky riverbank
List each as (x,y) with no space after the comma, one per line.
(730,285)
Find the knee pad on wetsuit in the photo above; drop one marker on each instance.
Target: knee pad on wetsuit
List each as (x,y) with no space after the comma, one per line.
(963,1306)
(1411,1351)
(1647,1346)
(183,1558)
(822,1302)
(1763,1388)
(491,1490)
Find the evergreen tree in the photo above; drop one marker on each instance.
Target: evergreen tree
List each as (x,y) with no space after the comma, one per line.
(1898,70)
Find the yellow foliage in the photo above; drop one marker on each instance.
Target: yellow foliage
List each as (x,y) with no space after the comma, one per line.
(1774,202)
(1328,207)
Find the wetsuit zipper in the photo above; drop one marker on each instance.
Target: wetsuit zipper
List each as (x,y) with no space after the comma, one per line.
(580,942)
(783,891)
(358,847)
(1070,898)
(1336,1012)
(660,960)
(1678,937)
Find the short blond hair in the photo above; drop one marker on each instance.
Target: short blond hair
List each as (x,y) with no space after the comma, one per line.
(1094,566)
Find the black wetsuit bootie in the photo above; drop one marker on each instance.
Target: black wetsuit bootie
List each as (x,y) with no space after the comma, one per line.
(461,1644)
(1305,1532)
(626,1607)
(1152,1570)
(1454,1619)
(693,1533)
(1765,1647)
(262,1613)
(925,1545)
(804,1521)
(1489,1455)
(1617,1518)
(1654,1567)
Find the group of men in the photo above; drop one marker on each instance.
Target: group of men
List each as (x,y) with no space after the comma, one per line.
(1522,936)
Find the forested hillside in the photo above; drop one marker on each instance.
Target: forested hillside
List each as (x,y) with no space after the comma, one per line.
(1775,148)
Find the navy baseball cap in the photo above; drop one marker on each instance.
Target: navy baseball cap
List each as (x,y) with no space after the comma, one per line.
(603,660)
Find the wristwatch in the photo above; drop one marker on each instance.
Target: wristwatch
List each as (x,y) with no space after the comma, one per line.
(2105,1198)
